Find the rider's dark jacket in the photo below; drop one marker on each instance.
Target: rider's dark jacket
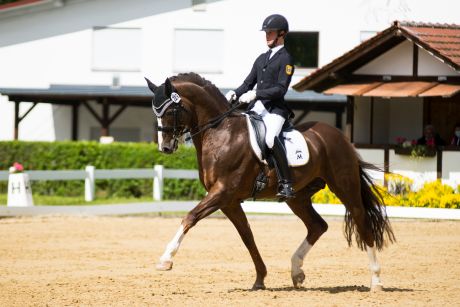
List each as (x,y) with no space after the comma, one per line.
(272,78)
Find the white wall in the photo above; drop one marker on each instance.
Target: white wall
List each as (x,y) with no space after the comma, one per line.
(54,46)
(400,58)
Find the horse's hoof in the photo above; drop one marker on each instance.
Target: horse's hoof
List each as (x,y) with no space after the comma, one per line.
(164,266)
(258,287)
(298,279)
(377,288)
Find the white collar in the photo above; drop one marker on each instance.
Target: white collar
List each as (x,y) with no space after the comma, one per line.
(275,50)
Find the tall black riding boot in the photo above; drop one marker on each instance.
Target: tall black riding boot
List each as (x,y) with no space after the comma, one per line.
(282,170)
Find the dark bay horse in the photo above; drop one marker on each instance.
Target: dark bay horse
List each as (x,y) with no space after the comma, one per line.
(228,169)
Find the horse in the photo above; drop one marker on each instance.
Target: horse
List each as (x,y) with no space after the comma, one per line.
(228,169)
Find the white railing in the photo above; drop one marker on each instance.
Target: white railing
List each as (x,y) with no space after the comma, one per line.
(91,174)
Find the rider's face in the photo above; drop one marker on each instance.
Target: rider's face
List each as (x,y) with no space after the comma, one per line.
(270,37)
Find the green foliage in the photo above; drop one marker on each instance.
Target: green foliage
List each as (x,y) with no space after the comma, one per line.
(7,1)
(77,155)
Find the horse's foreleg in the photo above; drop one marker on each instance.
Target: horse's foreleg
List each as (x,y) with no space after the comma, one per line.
(208,205)
(374,266)
(236,215)
(166,263)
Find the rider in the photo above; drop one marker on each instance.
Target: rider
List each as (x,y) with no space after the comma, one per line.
(272,72)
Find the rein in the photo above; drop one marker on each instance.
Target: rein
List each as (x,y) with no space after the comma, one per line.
(213,122)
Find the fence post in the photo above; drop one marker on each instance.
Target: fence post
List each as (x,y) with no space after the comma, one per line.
(89,183)
(158,182)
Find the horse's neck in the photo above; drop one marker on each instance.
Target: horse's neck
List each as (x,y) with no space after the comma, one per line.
(209,139)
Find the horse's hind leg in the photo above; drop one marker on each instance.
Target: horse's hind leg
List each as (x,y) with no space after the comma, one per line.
(236,215)
(302,207)
(349,192)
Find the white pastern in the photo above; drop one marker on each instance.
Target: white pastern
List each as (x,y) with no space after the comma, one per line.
(374,266)
(160,134)
(173,246)
(298,257)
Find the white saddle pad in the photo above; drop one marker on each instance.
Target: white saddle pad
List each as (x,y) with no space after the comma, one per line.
(296,146)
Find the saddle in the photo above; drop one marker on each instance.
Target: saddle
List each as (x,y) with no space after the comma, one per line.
(295,144)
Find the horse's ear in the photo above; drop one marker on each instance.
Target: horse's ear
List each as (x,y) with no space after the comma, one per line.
(152,86)
(169,88)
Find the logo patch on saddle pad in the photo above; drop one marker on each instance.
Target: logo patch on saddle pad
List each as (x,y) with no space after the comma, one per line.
(296,146)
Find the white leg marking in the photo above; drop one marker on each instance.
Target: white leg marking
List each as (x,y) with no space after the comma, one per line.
(173,246)
(297,262)
(374,266)
(160,134)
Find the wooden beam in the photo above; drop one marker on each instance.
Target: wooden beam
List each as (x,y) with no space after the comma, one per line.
(298,119)
(91,110)
(27,112)
(415,60)
(117,113)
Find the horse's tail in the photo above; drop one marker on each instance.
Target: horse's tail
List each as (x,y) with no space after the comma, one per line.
(374,207)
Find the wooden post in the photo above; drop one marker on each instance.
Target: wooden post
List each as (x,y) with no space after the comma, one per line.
(16,120)
(386,164)
(350,115)
(75,113)
(372,121)
(105,117)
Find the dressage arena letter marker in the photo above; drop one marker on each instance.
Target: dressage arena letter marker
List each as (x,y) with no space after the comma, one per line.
(19,191)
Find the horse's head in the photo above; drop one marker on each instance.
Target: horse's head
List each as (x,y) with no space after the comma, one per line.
(171,114)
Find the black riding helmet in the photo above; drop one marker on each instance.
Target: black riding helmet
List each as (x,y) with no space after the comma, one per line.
(275,22)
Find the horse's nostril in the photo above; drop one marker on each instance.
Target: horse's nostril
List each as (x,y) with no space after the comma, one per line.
(166,149)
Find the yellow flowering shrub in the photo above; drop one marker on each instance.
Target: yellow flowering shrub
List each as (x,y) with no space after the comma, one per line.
(432,195)
(450,201)
(325,196)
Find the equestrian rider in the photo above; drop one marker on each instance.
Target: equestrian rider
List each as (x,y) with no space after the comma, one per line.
(272,72)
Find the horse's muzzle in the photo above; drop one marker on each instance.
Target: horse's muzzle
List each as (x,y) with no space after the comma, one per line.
(169,147)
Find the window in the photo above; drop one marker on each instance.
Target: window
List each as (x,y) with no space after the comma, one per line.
(303,47)
(117,49)
(200,51)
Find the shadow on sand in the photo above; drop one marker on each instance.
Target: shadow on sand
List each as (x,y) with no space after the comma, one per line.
(338,289)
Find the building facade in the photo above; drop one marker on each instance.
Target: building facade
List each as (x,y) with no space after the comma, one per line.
(116,43)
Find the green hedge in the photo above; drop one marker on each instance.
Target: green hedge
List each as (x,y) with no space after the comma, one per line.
(77,155)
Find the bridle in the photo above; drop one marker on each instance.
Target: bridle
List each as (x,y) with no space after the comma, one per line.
(178,130)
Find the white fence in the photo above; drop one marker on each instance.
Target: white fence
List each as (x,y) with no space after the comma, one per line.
(158,174)
(91,174)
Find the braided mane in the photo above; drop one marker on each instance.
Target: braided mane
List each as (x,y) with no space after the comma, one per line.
(207,85)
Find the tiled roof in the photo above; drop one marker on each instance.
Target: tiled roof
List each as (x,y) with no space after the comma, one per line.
(442,40)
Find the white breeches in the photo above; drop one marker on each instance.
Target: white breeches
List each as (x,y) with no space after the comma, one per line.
(273,122)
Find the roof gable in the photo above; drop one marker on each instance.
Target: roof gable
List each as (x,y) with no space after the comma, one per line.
(439,40)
